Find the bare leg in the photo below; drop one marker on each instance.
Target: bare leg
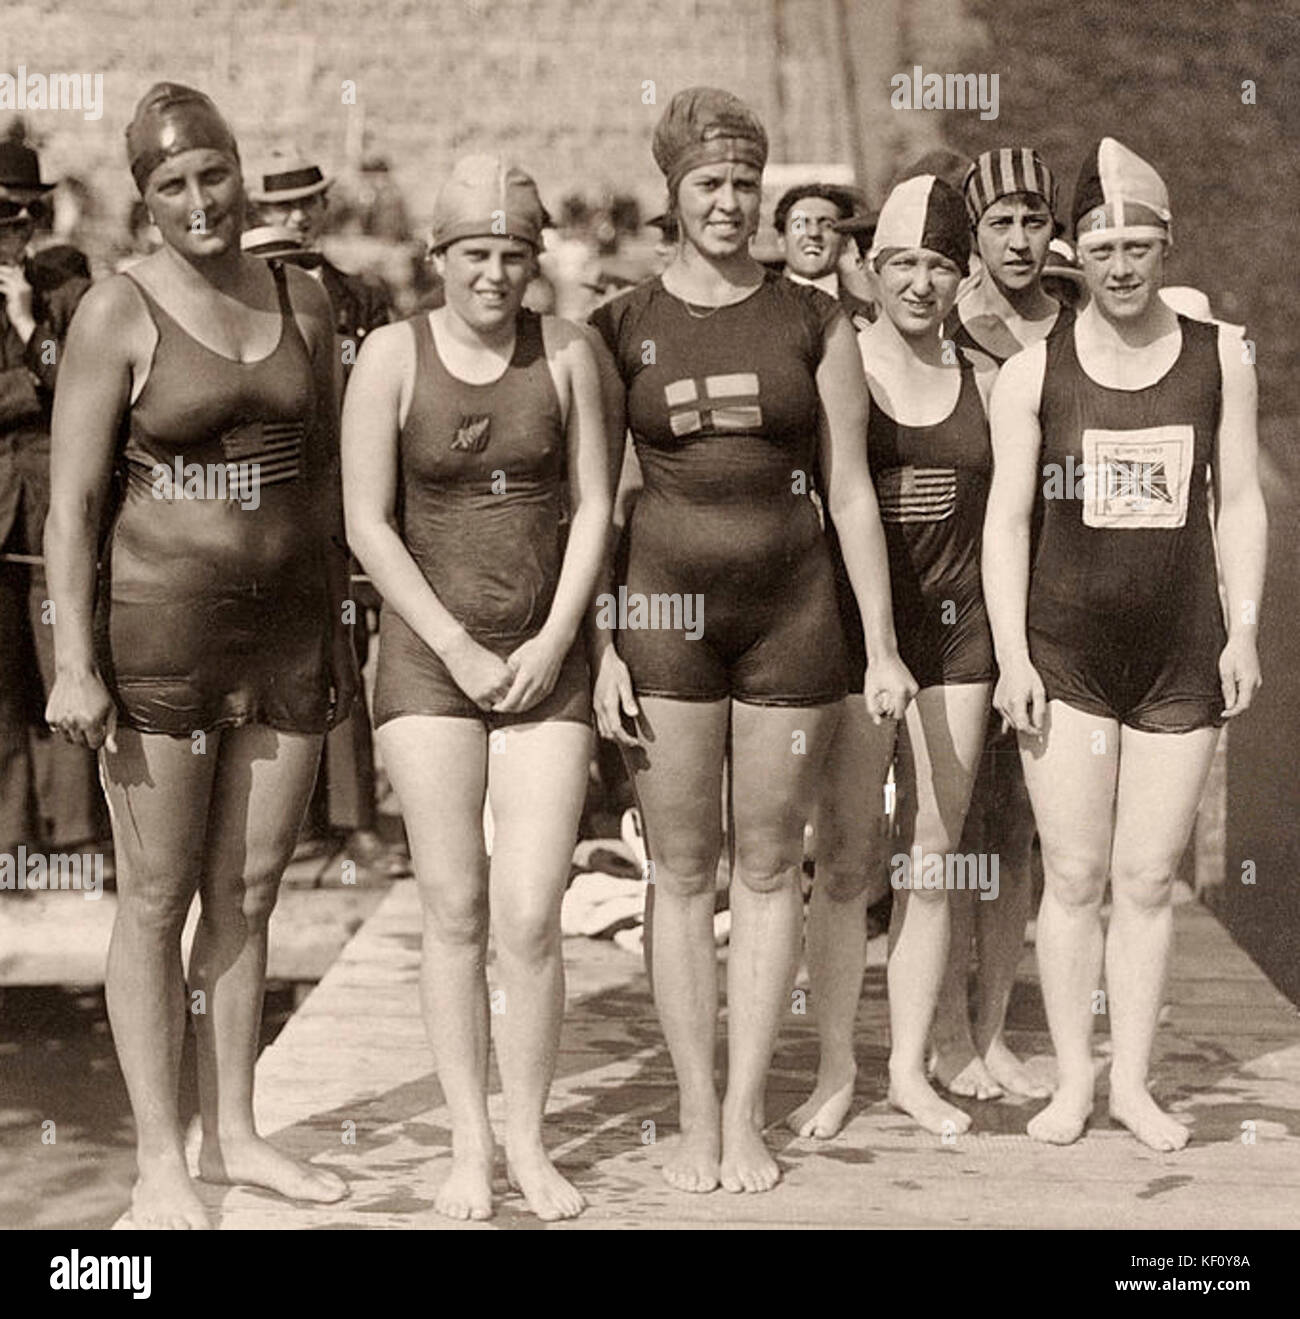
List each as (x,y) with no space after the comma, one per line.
(537,780)
(774,790)
(260,792)
(1000,923)
(1161,777)
(438,768)
(677,774)
(158,800)
(1071,774)
(850,846)
(937,758)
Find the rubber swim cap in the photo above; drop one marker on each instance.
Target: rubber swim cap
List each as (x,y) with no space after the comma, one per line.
(704,125)
(487,197)
(924,212)
(1004,172)
(1119,196)
(171,118)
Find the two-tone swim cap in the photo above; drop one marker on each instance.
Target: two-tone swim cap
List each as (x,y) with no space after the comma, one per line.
(924,211)
(169,119)
(487,197)
(1119,196)
(1004,172)
(705,126)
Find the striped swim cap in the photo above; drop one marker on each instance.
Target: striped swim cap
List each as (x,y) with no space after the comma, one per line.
(924,211)
(1119,196)
(1003,172)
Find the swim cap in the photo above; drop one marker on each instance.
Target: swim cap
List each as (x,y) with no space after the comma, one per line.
(487,197)
(704,125)
(1119,196)
(169,119)
(1004,172)
(924,212)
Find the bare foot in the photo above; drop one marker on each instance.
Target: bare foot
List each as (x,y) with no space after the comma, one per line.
(822,1114)
(1134,1108)
(915,1096)
(1063,1120)
(1011,1074)
(964,1073)
(746,1163)
(550,1196)
(467,1191)
(164,1199)
(251,1161)
(691,1159)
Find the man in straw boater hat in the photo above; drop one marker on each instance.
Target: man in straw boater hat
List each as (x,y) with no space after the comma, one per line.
(1011,199)
(39,291)
(1115,665)
(289,197)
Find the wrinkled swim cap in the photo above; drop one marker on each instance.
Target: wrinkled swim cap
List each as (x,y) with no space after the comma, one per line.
(1119,196)
(487,197)
(169,119)
(924,211)
(704,125)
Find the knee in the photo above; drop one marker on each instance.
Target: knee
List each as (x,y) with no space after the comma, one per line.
(456,917)
(843,881)
(767,864)
(257,902)
(1144,884)
(530,935)
(157,911)
(685,867)
(1074,881)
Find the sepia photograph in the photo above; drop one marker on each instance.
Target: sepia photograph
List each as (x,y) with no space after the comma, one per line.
(649,616)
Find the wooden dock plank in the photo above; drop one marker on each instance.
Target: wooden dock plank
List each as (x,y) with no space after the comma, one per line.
(350,1083)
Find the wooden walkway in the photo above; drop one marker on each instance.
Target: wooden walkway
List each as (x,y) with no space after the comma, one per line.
(354,1057)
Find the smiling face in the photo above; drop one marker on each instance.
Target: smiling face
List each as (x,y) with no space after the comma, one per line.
(1013,237)
(1123,275)
(917,289)
(811,247)
(717,206)
(197,201)
(485,279)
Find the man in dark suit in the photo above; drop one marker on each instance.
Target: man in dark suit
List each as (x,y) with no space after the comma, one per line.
(51,795)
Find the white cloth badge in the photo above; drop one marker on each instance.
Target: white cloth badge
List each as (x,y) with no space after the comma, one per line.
(1137,478)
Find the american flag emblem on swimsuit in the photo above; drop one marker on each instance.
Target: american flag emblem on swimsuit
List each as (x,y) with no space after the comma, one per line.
(720,403)
(917,494)
(275,446)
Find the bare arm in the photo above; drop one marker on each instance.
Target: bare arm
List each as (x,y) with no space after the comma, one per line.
(93,393)
(1017,438)
(1242,522)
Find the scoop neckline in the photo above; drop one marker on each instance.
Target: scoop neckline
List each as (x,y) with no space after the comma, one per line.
(207,348)
(721,306)
(1119,389)
(470,384)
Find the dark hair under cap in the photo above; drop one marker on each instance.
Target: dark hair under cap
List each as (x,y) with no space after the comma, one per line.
(847,200)
(704,125)
(171,118)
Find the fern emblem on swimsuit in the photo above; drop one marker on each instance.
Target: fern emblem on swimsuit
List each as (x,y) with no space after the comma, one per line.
(472,434)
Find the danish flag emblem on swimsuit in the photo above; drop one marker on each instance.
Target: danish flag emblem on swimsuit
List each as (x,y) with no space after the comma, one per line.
(472,434)
(720,403)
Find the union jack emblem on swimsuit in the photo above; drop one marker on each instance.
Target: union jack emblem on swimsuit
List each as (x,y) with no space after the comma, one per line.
(720,403)
(275,446)
(1138,478)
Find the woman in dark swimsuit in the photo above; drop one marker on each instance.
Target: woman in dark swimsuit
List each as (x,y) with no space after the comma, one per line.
(195,409)
(735,384)
(464,432)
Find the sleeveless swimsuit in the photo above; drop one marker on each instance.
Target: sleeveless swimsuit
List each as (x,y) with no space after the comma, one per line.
(213,608)
(1125,619)
(479,507)
(723,411)
(931,483)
